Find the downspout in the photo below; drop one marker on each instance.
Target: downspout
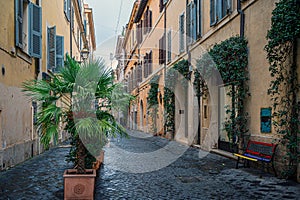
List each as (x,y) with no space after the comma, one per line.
(71,18)
(242,19)
(165,61)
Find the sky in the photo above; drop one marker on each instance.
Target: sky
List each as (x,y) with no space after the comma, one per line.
(110,16)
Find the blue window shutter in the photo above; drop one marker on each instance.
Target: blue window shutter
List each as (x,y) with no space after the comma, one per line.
(169,46)
(213,12)
(51,48)
(194,21)
(59,53)
(181,33)
(19,23)
(35,31)
(219,8)
(198,18)
(188,23)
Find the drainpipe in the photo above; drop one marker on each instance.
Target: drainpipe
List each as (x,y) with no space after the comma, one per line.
(71,18)
(242,21)
(165,61)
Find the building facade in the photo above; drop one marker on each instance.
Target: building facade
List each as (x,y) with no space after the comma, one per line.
(162,33)
(36,36)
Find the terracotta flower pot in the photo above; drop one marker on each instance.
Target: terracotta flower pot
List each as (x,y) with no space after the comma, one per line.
(79,186)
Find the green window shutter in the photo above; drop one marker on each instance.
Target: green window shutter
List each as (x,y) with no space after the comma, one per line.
(188,23)
(198,18)
(35,31)
(213,12)
(19,23)
(181,33)
(194,20)
(59,53)
(51,47)
(150,63)
(169,36)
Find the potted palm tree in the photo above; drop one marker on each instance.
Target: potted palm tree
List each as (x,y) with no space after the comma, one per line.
(78,99)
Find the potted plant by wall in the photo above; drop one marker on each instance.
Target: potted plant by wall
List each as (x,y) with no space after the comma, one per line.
(78,99)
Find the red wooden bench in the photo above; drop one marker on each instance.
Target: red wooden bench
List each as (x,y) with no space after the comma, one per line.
(258,151)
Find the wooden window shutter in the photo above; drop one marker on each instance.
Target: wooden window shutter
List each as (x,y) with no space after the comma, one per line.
(181,33)
(150,63)
(150,21)
(146,66)
(51,47)
(161,5)
(19,23)
(35,31)
(188,23)
(59,53)
(198,18)
(169,45)
(213,12)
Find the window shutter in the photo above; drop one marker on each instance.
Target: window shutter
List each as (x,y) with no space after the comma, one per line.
(139,73)
(51,48)
(198,18)
(188,23)
(164,48)
(35,31)
(213,16)
(72,23)
(228,6)
(19,23)
(59,53)
(194,20)
(160,51)
(150,21)
(146,21)
(65,6)
(169,45)
(150,63)
(146,65)
(181,33)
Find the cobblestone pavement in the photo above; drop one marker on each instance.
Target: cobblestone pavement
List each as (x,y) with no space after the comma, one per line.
(194,175)
(38,178)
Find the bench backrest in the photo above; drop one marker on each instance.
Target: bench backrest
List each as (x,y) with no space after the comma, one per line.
(261,149)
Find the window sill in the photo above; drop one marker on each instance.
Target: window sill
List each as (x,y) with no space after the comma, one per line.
(24,56)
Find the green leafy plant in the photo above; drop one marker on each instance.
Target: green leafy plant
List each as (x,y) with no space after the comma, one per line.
(281,54)
(65,102)
(153,100)
(230,58)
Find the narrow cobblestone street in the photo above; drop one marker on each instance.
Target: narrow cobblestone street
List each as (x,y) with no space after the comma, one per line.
(195,175)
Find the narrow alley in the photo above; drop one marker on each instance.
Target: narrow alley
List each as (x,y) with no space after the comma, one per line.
(194,175)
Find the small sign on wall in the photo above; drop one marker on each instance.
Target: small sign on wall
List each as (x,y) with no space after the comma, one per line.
(265,120)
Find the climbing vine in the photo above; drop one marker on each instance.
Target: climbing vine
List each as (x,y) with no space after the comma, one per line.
(169,100)
(230,58)
(281,53)
(153,100)
(172,75)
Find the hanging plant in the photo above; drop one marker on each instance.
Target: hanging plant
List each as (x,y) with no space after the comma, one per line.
(281,54)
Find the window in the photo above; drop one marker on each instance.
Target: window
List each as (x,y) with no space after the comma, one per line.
(67,9)
(139,33)
(147,64)
(181,33)
(55,50)
(191,17)
(162,50)
(28,27)
(147,21)
(169,37)
(219,9)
